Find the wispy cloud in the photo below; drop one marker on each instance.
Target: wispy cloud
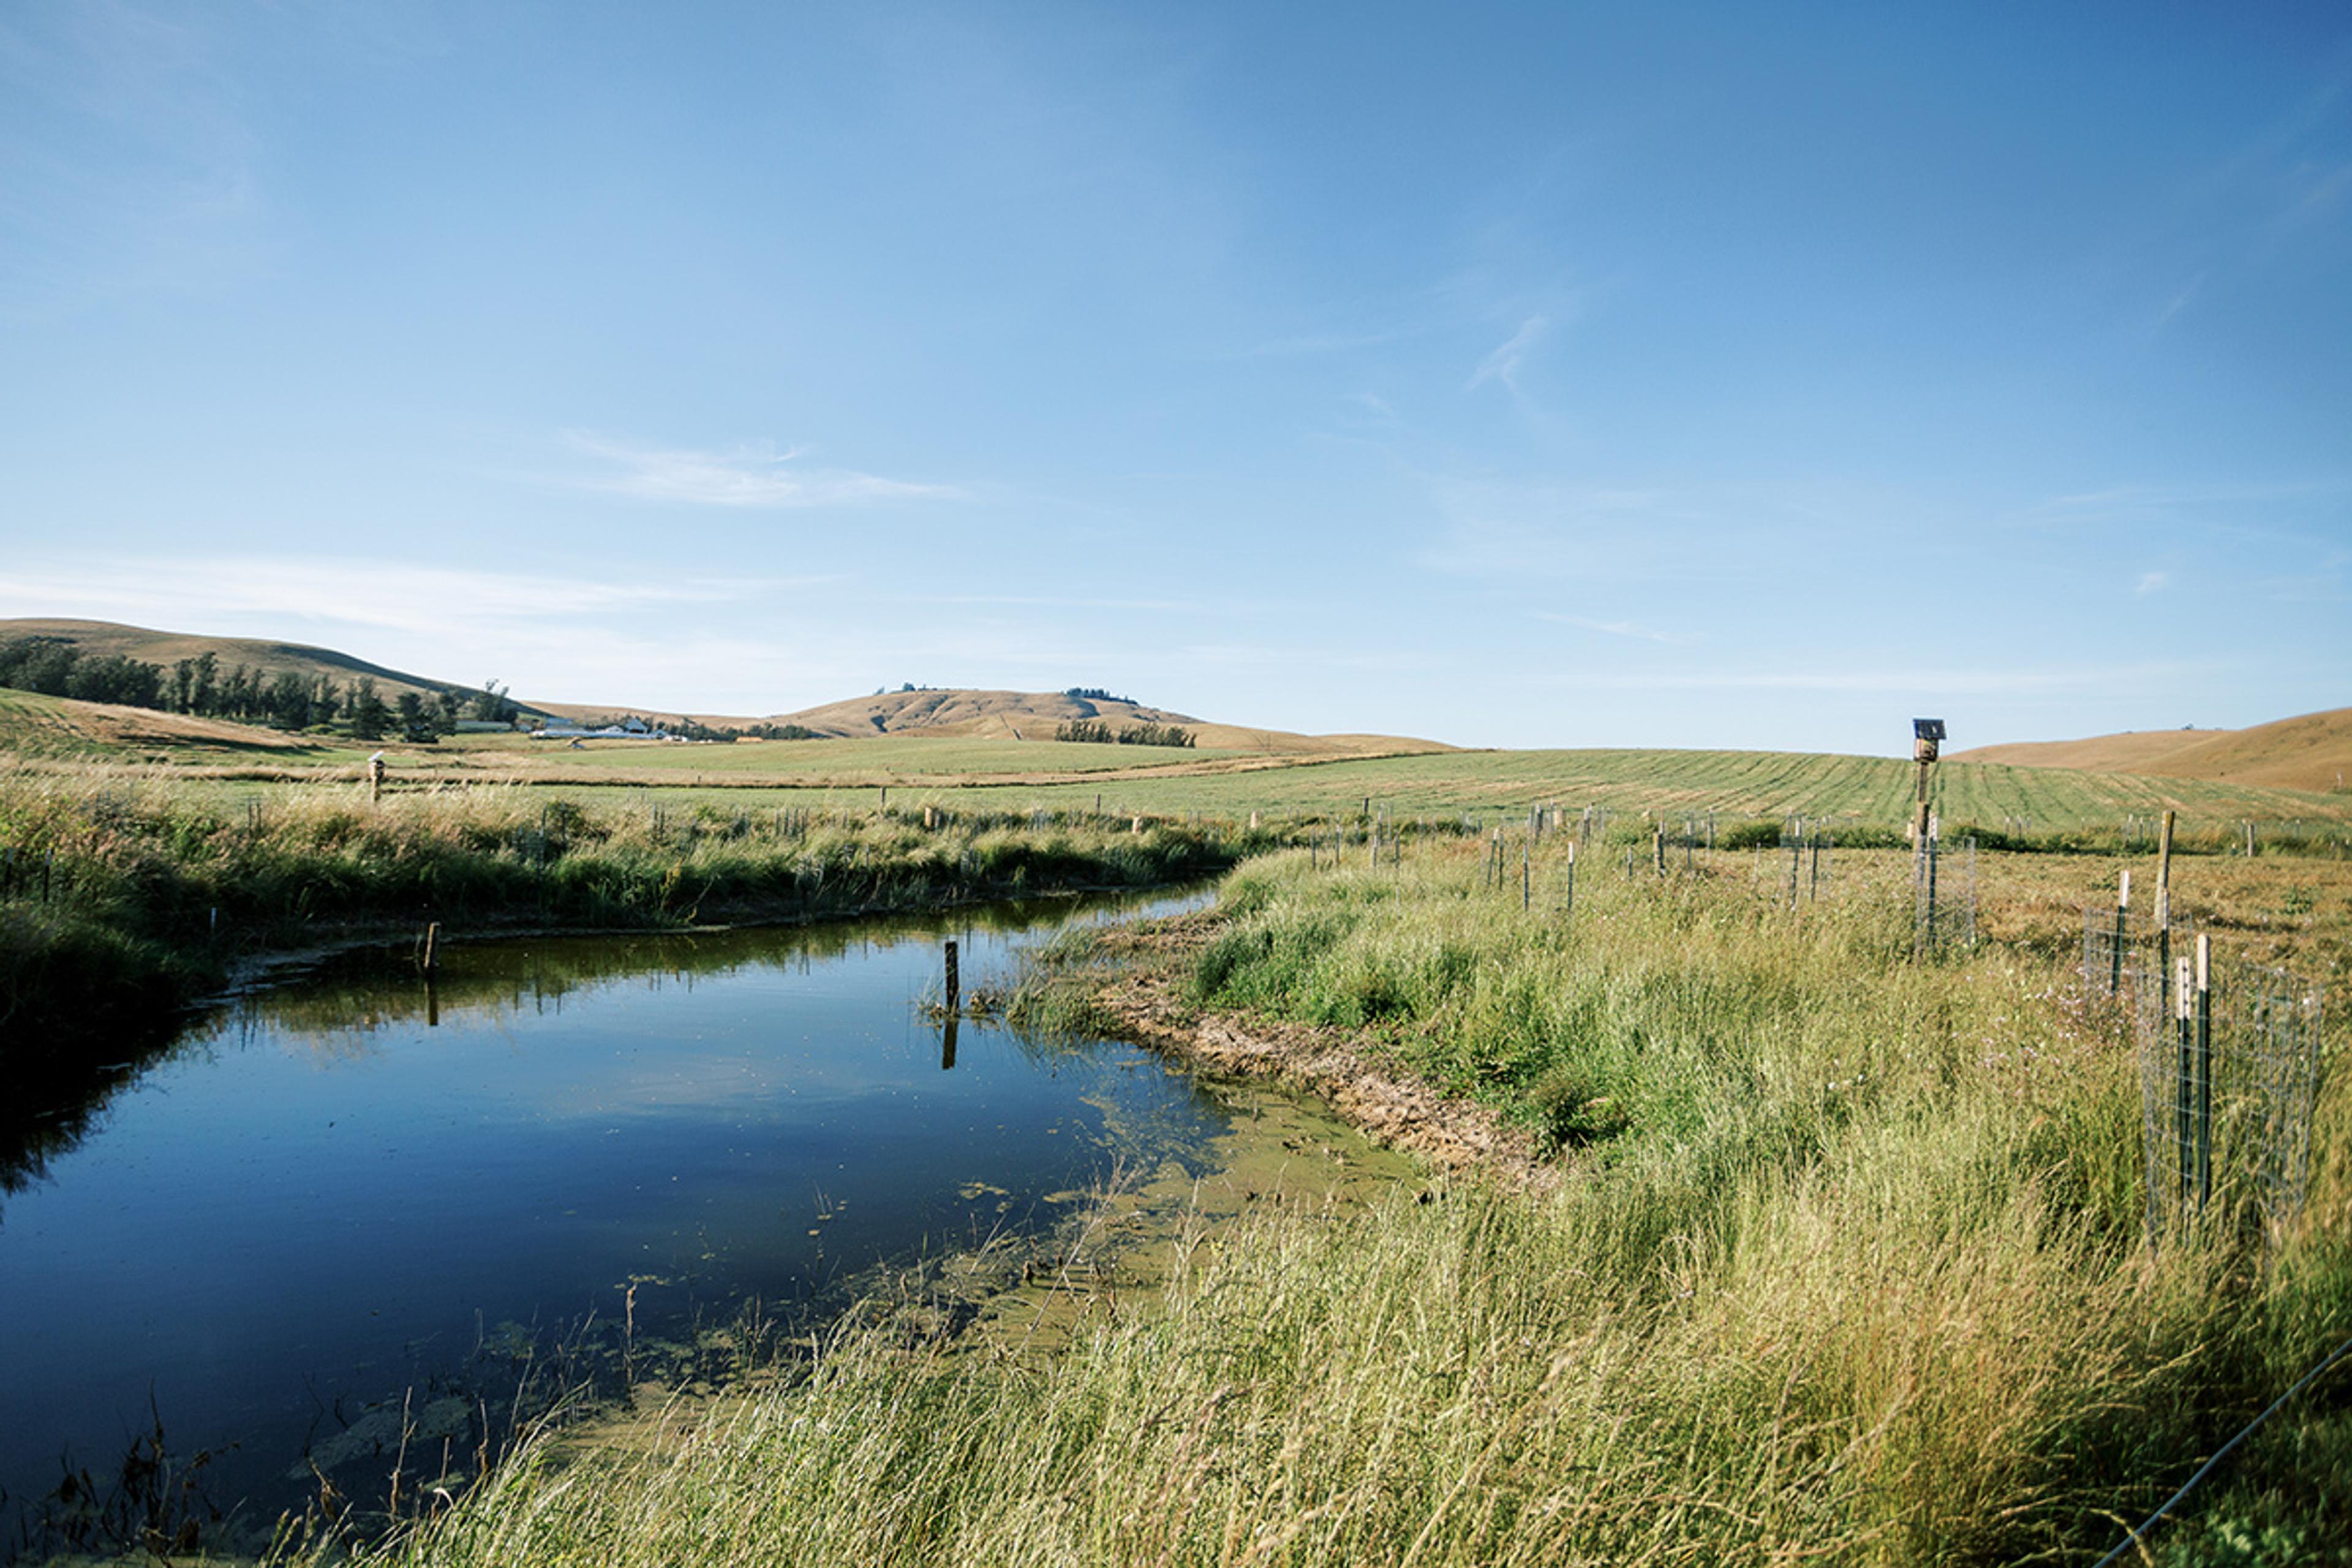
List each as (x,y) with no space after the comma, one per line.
(755,475)
(1503,363)
(2150,582)
(358,592)
(1612,629)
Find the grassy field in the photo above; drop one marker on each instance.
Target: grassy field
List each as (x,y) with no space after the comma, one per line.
(2050,808)
(1843,1261)
(1840,1256)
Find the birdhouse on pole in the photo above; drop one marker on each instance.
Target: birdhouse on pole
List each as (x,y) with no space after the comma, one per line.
(1927,737)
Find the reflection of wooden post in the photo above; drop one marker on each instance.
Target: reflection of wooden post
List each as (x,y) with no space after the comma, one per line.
(946,1045)
(955,984)
(432,1006)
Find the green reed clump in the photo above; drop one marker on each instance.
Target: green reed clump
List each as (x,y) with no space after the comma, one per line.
(133,889)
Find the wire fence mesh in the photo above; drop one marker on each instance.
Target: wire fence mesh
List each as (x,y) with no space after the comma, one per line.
(1944,894)
(2229,1066)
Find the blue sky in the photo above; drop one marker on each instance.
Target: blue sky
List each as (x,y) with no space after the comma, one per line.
(1754,377)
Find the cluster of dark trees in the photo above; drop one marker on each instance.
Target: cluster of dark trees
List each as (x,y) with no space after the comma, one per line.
(1094,694)
(1095,731)
(287,700)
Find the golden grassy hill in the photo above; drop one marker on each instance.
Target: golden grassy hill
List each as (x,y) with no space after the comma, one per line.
(102,639)
(962,714)
(2313,751)
(32,722)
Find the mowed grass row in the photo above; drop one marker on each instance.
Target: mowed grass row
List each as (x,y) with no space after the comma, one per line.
(1845,1265)
(1499,788)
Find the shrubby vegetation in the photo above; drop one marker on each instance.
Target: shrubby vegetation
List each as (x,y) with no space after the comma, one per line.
(117,892)
(1099,732)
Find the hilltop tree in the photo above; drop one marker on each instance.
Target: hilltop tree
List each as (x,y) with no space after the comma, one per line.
(369,715)
(492,704)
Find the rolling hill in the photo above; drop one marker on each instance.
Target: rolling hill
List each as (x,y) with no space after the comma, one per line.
(2311,752)
(103,639)
(957,714)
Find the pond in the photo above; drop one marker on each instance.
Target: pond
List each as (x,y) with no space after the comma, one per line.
(351,1207)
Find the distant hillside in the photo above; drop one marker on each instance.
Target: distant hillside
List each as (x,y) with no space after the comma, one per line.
(102,639)
(948,714)
(959,713)
(1034,716)
(2313,751)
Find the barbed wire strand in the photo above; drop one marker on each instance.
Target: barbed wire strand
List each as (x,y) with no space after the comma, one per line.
(2305,1381)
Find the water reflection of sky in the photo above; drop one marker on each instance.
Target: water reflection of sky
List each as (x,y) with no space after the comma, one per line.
(287,1211)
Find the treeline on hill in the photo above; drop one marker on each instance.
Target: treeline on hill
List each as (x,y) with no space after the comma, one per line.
(287,701)
(1094,732)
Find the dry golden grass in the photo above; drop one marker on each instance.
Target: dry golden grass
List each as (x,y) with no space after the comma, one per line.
(2313,751)
(32,722)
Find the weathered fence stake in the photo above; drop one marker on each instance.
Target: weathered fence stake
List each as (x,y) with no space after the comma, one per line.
(432,939)
(2204,1070)
(955,984)
(2115,960)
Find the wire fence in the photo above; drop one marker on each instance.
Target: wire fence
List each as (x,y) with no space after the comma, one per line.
(2230,1067)
(1944,894)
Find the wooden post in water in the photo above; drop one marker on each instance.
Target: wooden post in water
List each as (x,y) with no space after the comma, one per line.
(954,981)
(432,939)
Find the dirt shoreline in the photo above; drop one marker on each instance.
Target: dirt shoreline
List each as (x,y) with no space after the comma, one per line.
(1143,1004)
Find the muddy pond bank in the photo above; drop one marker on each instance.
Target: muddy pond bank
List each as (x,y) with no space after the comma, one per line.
(349,1225)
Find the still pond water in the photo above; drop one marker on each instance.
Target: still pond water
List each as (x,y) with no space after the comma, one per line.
(334,1198)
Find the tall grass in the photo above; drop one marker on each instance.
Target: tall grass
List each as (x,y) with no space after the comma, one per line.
(118,893)
(1844,1265)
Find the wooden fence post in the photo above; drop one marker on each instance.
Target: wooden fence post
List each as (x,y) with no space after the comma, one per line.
(2115,959)
(2204,1070)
